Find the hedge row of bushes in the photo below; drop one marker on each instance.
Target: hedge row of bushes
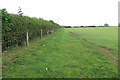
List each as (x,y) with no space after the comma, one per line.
(15,26)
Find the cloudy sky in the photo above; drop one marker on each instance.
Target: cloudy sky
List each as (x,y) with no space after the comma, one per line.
(68,12)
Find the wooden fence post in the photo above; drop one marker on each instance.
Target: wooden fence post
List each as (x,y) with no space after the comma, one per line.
(27,39)
(47,32)
(41,33)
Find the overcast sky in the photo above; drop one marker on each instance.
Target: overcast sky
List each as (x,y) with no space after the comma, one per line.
(68,12)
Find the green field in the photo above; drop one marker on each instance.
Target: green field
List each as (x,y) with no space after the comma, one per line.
(68,53)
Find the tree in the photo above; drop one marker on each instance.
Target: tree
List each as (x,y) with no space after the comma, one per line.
(106,25)
(20,11)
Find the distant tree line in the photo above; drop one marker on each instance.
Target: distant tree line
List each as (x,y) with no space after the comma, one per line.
(15,26)
(83,26)
(105,25)
(67,26)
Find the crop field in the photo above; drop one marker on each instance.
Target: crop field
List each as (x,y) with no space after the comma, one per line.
(67,53)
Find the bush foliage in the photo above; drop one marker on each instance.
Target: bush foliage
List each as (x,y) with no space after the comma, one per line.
(15,26)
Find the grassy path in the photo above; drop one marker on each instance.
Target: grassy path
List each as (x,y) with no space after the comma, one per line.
(65,54)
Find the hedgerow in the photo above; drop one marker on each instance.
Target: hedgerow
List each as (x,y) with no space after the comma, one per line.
(15,26)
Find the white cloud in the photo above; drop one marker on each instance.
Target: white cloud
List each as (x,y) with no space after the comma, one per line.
(68,12)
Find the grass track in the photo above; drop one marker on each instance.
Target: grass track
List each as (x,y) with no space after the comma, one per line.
(69,53)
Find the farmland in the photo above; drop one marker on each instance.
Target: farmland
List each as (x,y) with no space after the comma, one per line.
(67,53)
